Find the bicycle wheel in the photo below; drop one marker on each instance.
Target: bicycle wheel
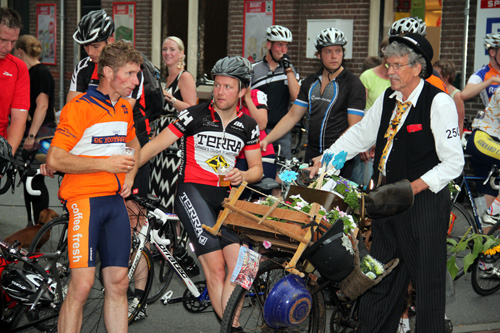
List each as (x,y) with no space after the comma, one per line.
(93,312)
(163,272)
(343,319)
(252,318)
(460,222)
(486,270)
(43,318)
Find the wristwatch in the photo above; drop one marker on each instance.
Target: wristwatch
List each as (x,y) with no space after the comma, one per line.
(173,100)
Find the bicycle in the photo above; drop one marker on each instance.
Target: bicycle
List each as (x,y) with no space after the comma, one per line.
(52,238)
(485,277)
(159,229)
(31,294)
(462,222)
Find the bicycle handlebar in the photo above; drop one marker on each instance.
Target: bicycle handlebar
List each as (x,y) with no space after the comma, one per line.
(29,188)
(490,179)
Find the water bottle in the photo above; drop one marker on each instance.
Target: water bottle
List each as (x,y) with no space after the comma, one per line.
(186,261)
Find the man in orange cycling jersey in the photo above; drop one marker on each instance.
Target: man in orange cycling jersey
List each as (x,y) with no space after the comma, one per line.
(94,130)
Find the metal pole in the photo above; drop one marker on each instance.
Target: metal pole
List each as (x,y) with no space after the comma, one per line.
(61,58)
(466,37)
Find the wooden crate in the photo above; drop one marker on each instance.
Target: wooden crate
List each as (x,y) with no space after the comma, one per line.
(289,220)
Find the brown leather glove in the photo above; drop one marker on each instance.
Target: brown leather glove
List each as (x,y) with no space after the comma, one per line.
(390,199)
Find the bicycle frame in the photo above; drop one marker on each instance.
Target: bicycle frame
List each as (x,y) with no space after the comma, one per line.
(468,191)
(161,245)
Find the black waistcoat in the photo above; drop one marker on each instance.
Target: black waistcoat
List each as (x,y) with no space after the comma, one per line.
(413,152)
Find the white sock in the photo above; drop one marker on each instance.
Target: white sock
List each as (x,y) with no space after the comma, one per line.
(494,208)
(404,325)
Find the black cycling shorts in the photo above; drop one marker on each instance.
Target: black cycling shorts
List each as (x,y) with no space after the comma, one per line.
(141,181)
(485,151)
(197,204)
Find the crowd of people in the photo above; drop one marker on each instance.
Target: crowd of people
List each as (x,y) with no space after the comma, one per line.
(401,119)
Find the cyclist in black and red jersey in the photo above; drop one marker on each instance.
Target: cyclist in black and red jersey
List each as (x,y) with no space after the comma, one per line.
(212,135)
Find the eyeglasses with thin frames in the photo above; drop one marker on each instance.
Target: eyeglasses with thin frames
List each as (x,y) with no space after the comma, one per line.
(395,66)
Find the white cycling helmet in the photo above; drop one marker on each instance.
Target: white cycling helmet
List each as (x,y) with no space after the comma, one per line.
(278,33)
(408,25)
(329,37)
(492,41)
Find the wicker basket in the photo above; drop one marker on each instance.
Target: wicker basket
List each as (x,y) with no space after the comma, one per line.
(357,283)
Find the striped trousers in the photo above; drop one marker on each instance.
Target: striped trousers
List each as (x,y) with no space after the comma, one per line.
(418,238)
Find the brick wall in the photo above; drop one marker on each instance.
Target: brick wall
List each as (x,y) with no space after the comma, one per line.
(69,28)
(452,34)
(294,15)
(143,35)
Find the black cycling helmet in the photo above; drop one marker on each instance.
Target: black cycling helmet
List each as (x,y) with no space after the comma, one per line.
(22,285)
(94,27)
(237,67)
(5,155)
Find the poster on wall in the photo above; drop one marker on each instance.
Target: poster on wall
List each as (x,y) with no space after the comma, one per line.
(258,15)
(487,22)
(46,32)
(124,18)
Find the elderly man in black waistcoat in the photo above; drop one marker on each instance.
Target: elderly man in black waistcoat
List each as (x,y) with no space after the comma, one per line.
(415,128)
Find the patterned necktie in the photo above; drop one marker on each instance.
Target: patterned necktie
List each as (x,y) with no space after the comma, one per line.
(391,132)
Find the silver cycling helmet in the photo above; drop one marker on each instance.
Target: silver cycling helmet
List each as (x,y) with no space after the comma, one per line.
(329,37)
(237,67)
(492,41)
(94,27)
(408,25)
(278,33)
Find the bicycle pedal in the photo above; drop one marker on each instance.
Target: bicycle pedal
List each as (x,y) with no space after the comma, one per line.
(165,299)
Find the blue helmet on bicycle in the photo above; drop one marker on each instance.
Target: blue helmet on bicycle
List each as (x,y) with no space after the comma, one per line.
(5,155)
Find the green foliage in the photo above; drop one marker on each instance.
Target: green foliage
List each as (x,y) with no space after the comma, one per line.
(478,242)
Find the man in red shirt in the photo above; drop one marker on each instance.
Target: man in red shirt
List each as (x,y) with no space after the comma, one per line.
(14,80)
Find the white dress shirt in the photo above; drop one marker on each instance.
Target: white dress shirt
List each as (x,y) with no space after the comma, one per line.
(444,126)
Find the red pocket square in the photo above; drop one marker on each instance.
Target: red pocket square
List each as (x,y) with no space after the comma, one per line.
(414,128)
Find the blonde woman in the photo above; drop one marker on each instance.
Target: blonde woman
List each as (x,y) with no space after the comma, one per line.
(180,93)
(180,89)
(41,121)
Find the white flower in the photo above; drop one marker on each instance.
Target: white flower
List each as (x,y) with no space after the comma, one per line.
(346,242)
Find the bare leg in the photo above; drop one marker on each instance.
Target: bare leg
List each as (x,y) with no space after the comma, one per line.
(70,317)
(489,199)
(231,256)
(115,299)
(214,268)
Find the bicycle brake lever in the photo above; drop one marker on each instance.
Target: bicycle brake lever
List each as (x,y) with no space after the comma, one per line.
(489,175)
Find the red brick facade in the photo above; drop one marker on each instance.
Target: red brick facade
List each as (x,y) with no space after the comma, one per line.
(143,35)
(294,15)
